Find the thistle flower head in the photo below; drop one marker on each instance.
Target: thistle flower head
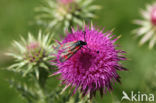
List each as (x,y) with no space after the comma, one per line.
(66,2)
(147,27)
(31,54)
(94,66)
(57,14)
(153,15)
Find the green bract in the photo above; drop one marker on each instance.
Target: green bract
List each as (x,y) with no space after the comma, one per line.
(58,16)
(32,54)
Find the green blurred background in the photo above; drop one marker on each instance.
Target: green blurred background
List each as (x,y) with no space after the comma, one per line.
(17,18)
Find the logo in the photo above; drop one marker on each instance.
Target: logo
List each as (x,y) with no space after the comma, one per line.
(138,97)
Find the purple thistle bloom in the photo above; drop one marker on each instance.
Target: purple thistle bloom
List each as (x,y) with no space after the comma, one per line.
(89,70)
(147,26)
(66,1)
(153,15)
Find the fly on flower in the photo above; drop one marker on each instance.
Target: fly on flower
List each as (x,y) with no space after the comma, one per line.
(70,48)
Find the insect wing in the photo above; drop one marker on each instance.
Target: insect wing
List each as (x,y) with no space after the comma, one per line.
(69,53)
(65,46)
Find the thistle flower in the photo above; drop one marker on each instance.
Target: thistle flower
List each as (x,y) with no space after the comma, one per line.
(66,1)
(148,25)
(57,14)
(31,54)
(94,66)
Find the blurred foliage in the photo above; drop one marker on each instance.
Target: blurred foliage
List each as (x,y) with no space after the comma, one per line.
(56,16)
(17,18)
